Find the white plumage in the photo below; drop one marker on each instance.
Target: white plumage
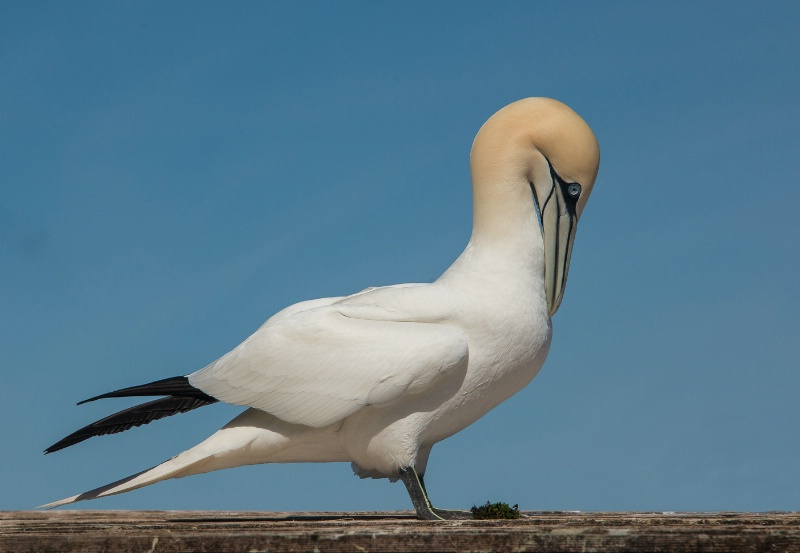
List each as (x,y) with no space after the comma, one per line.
(317,366)
(378,377)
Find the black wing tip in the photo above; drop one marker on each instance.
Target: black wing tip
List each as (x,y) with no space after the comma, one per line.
(58,446)
(181,397)
(126,419)
(178,386)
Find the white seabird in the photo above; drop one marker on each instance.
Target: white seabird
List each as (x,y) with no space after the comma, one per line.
(378,377)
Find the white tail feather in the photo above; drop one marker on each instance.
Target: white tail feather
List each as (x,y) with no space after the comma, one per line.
(251,438)
(178,466)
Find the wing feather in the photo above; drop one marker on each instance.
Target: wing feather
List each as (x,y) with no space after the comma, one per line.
(318,366)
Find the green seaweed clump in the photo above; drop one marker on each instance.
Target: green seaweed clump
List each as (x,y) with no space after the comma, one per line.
(495,511)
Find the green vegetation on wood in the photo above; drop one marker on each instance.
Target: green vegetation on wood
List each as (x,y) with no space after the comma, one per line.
(494,511)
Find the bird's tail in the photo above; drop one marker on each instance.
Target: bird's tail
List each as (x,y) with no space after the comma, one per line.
(253,437)
(181,397)
(204,457)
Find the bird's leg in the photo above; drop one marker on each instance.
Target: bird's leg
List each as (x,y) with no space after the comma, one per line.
(449,514)
(416,490)
(419,497)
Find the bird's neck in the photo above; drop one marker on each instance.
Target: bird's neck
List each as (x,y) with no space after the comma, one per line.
(506,238)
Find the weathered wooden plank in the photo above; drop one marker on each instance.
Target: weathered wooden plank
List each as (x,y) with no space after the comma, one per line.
(206,531)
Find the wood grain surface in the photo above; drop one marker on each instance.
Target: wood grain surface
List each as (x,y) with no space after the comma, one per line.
(205,531)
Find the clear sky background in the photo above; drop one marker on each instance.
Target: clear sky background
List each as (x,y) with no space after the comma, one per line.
(171,174)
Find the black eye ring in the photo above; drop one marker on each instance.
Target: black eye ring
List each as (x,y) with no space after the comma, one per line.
(574,190)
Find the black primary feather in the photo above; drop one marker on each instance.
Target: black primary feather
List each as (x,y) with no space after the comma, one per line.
(175,386)
(182,397)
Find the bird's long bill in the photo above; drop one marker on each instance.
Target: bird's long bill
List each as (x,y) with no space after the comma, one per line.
(559,222)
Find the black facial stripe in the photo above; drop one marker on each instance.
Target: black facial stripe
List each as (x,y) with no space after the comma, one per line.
(547,199)
(538,207)
(570,230)
(570,199)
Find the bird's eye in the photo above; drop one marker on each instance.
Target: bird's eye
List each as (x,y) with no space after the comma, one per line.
(574,190)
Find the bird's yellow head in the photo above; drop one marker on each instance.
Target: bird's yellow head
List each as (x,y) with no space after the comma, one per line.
(538,145)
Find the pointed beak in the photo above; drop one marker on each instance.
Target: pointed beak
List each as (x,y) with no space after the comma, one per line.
(559,220)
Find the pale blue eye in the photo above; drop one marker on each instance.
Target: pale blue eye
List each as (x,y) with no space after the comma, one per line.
(574,190)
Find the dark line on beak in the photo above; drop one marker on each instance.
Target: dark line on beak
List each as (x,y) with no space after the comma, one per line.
(537,206)
(550,195)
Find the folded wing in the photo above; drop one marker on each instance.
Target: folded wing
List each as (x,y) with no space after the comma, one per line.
(318,366)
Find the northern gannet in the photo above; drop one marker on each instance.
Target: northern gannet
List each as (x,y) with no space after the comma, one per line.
(378,377)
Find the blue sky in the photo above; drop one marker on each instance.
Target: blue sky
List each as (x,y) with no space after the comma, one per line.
(171,174)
